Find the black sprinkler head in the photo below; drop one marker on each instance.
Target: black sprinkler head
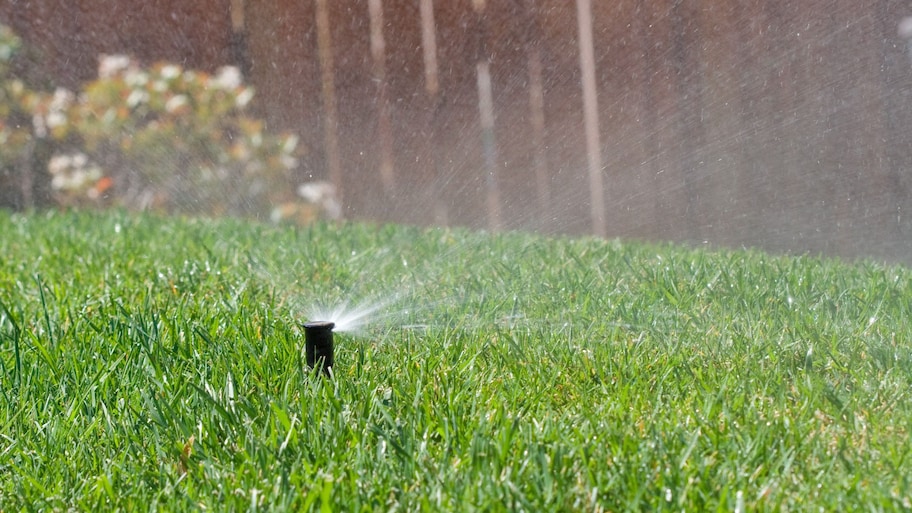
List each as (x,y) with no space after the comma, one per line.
(318,344)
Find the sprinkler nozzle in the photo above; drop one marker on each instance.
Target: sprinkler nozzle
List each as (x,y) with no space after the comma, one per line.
(318,344)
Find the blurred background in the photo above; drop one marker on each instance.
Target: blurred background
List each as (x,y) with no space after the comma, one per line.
(776,124)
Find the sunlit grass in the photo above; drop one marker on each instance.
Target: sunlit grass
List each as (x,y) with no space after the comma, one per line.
(150,363)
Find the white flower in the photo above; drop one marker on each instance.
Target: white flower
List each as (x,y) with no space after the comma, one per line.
(290,143)
(62,99)
(73,171)
(176,103)
(80,160)
(112,65)
(159,86)
(228,78)
(59,164)
(170,71)
(136,78)
(55,119)
(78,178)
(56,115)
(136,97)
(243,98)
(314,192)
(324,195)
(59,182)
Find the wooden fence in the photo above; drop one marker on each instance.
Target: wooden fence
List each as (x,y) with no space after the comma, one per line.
(782,124)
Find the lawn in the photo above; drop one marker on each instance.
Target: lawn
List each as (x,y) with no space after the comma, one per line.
(157,364)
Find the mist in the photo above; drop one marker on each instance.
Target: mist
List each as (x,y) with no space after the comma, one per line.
(778,125)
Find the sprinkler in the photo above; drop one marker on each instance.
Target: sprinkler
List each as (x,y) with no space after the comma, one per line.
(318,344)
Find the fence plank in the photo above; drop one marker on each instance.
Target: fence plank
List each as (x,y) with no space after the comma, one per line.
(384,122)
(330,108)
(591,118)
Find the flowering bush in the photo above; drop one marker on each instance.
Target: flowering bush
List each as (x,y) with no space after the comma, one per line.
(160,137)
(167,138)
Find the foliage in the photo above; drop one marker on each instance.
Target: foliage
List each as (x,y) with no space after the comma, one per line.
(175,139)
(502,373)
(159,137)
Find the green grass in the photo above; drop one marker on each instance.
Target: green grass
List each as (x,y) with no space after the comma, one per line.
(157,364)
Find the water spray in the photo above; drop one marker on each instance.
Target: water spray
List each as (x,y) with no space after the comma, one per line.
(318,345)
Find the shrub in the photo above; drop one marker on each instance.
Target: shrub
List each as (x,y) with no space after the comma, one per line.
(159,137)
(167,138)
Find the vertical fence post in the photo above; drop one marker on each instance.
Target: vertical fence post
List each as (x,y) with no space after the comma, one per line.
(432,90)
(531,32)
(384,122)
(330,109)
(429,48)
(486,114)
(591,118)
